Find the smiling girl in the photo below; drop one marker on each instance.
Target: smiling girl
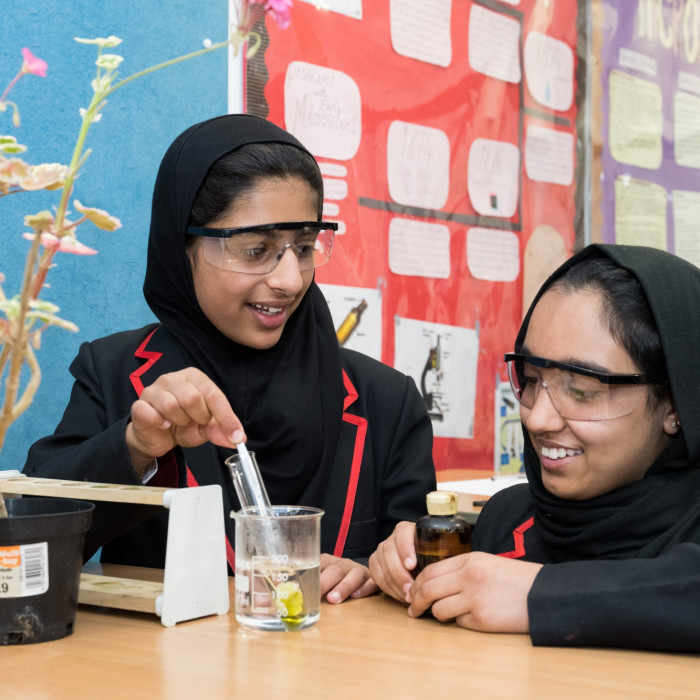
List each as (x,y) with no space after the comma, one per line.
(244,349)
(602,545)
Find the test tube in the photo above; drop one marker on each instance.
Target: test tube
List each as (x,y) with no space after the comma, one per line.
(247,481)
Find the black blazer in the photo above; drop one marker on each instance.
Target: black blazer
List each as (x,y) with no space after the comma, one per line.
(382,471)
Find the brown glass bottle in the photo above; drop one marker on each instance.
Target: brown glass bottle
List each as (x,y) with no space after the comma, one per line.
(442,533)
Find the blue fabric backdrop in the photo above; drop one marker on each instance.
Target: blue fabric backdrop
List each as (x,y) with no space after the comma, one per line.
(101,294)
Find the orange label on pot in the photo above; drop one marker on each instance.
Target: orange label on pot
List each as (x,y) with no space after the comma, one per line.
(10,557)
(24,570)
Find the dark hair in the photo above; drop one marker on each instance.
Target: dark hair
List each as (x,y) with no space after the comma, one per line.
(239,171)
(627,314)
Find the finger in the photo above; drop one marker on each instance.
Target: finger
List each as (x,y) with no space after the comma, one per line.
(435,583)
(145,416)
(217,406)
(404,534)
(388,571)
(354,577)
(333,570)
(369,587)
(180,404)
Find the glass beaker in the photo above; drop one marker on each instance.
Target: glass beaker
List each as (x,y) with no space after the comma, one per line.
(278,563)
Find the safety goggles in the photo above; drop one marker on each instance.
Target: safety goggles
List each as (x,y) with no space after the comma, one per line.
(257,250)
(577,393)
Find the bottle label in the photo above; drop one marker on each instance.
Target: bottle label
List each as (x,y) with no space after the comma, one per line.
(24,570)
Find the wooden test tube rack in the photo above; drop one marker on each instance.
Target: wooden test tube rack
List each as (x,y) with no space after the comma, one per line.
(195,582)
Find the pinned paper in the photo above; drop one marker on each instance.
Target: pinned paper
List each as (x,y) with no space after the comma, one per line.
(686,214)
(640,213)
(420,34)
(493,255)
(418,165)
(351,8)
(549,155)
(442,360)
(357,317)
(322,108)
(636,121)
(494,44)
(334,189)
(492,177)
(419,248)
(686,129)
(549,71)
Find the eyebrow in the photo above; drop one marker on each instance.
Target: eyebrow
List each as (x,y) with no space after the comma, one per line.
(571,360)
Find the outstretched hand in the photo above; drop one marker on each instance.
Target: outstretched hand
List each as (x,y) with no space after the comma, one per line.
(181,408)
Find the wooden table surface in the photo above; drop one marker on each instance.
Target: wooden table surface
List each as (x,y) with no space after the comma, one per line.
(361,649)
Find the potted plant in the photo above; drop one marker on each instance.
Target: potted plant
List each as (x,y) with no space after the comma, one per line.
(29,533)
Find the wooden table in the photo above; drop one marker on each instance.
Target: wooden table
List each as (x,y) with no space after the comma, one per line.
(361,649)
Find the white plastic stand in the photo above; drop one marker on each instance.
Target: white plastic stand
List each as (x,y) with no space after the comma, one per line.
(195,580)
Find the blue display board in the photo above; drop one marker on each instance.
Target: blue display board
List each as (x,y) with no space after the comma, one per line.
(102,293)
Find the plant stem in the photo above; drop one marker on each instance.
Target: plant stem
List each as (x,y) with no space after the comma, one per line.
(171,62)
(19,346)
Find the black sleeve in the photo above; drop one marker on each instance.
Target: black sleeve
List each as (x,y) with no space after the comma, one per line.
(632,603)
(87,445)
(410,472)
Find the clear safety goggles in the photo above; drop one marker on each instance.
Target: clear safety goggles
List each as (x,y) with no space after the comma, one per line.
(258,249)
(577,393)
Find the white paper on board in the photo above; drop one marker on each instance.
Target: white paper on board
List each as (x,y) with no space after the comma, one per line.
(549,155)
(420,32)
(686,214)
(351,8)
(492,177)
(442,360)
(366,336)
(418,165)
(493,255)
(689,82)
(419,248)
(549,71)
(640,212)
(494,44)
(626,58)
(322,108)
(686,129)
(334,188)
(635,120)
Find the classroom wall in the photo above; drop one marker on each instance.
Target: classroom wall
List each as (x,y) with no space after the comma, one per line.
(101,294)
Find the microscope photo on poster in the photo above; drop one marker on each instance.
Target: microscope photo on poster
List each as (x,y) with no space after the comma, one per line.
(442,361)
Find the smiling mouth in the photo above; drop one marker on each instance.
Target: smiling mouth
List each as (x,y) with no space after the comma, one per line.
(558,452)
(267,310)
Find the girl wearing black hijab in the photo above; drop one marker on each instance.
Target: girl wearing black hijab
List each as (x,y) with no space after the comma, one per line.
(602,546)
(245,349)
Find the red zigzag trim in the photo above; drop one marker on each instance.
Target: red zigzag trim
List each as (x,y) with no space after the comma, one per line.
(519,540)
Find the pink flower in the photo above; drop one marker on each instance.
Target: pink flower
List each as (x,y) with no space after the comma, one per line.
(65,244)
(279,9)
(32,64)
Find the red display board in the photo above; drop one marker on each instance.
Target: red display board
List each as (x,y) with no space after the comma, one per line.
(447,135)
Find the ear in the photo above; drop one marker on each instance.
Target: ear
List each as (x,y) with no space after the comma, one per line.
(672,423)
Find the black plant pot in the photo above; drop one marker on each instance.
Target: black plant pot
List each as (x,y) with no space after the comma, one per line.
(41,546)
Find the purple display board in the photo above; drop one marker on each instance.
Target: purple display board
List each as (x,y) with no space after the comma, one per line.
(649,125)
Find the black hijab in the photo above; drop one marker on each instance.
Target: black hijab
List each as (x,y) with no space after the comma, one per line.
(644,518)
(289,398)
